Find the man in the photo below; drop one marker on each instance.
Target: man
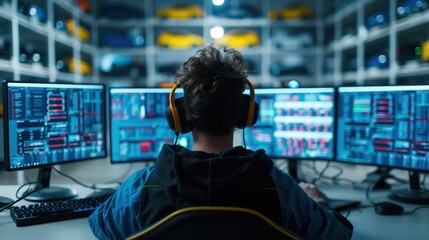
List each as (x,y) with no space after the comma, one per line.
(215,172)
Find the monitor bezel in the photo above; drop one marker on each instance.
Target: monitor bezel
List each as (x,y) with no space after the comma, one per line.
(334,110)
(5,85)
(381,88)
(130,90)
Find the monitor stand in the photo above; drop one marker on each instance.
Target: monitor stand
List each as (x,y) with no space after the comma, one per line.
(45,193)
(376,179)
(5,201)
(293,169)
(414,194)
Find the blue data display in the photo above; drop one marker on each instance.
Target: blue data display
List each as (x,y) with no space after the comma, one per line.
(139,127)
(294,123)
(54,123)
(386,126)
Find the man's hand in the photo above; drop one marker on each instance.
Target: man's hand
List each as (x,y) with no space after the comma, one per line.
(313,192)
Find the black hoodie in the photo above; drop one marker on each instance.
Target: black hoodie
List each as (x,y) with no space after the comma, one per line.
(235,177)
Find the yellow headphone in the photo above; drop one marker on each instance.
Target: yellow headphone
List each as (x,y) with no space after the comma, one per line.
(247,116)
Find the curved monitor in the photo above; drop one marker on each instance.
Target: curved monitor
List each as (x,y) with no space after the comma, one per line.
(138,126)
(52,123)
(294,123)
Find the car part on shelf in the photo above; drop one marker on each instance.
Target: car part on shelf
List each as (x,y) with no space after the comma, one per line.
(292,12)
(180,11)
(132,38)
(239,38)
(81,32)
(179,39)
(33,11)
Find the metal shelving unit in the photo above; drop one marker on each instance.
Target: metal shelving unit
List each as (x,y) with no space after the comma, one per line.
(364,42)
(262,54)
(25,30)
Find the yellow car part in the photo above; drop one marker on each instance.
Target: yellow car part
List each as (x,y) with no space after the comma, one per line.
(296,12)
(179,40)
(239,39)
(181,12)
(85,68)
(81,32)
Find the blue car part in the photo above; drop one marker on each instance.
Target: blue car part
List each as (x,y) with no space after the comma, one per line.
(378,19)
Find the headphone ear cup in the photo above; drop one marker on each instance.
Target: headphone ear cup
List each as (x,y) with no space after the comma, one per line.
(170,119)
(255,113)
(185,125)
(243,112)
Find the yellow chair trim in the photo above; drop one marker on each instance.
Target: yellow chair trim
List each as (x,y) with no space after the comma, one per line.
(213,208)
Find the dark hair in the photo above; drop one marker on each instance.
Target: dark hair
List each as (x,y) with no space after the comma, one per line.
(213,81)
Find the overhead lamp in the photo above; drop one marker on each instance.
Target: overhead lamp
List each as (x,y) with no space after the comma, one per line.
(217,32)
(218,2)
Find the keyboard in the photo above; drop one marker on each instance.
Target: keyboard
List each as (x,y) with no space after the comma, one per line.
(46,212)
(342,204)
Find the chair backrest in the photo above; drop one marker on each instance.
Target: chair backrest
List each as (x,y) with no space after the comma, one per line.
(212,222)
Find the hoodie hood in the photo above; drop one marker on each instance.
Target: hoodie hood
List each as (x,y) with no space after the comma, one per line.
(190,178)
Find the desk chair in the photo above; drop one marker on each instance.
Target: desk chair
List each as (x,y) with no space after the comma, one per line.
(210,223)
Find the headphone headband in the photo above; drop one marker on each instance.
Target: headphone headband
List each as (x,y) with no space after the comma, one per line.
(249,121)
(177,124)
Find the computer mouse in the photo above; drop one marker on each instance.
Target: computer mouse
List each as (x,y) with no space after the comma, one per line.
(388,208)
(4,201)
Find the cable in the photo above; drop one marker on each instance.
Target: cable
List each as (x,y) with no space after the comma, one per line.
(321,172)
(349,210)
(336,180)
(423,184)
(78,182)
(397,179)
(414,210)
(244,139)
(23,185)
(25,194)
(314,168)
(367,194)
(340,172)
(177,138)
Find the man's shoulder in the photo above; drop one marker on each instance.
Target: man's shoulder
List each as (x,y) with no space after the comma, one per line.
(139,177)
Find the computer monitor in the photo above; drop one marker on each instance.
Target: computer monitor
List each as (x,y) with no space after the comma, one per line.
(294,123)
(138,126)
(52,123)
(386,126)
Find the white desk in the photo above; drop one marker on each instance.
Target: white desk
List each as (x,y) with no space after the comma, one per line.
(65,230)
(368,225)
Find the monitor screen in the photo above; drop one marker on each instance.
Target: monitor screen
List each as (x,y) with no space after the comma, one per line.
(384,126)
(294,123)
(53,123)
(138,126)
